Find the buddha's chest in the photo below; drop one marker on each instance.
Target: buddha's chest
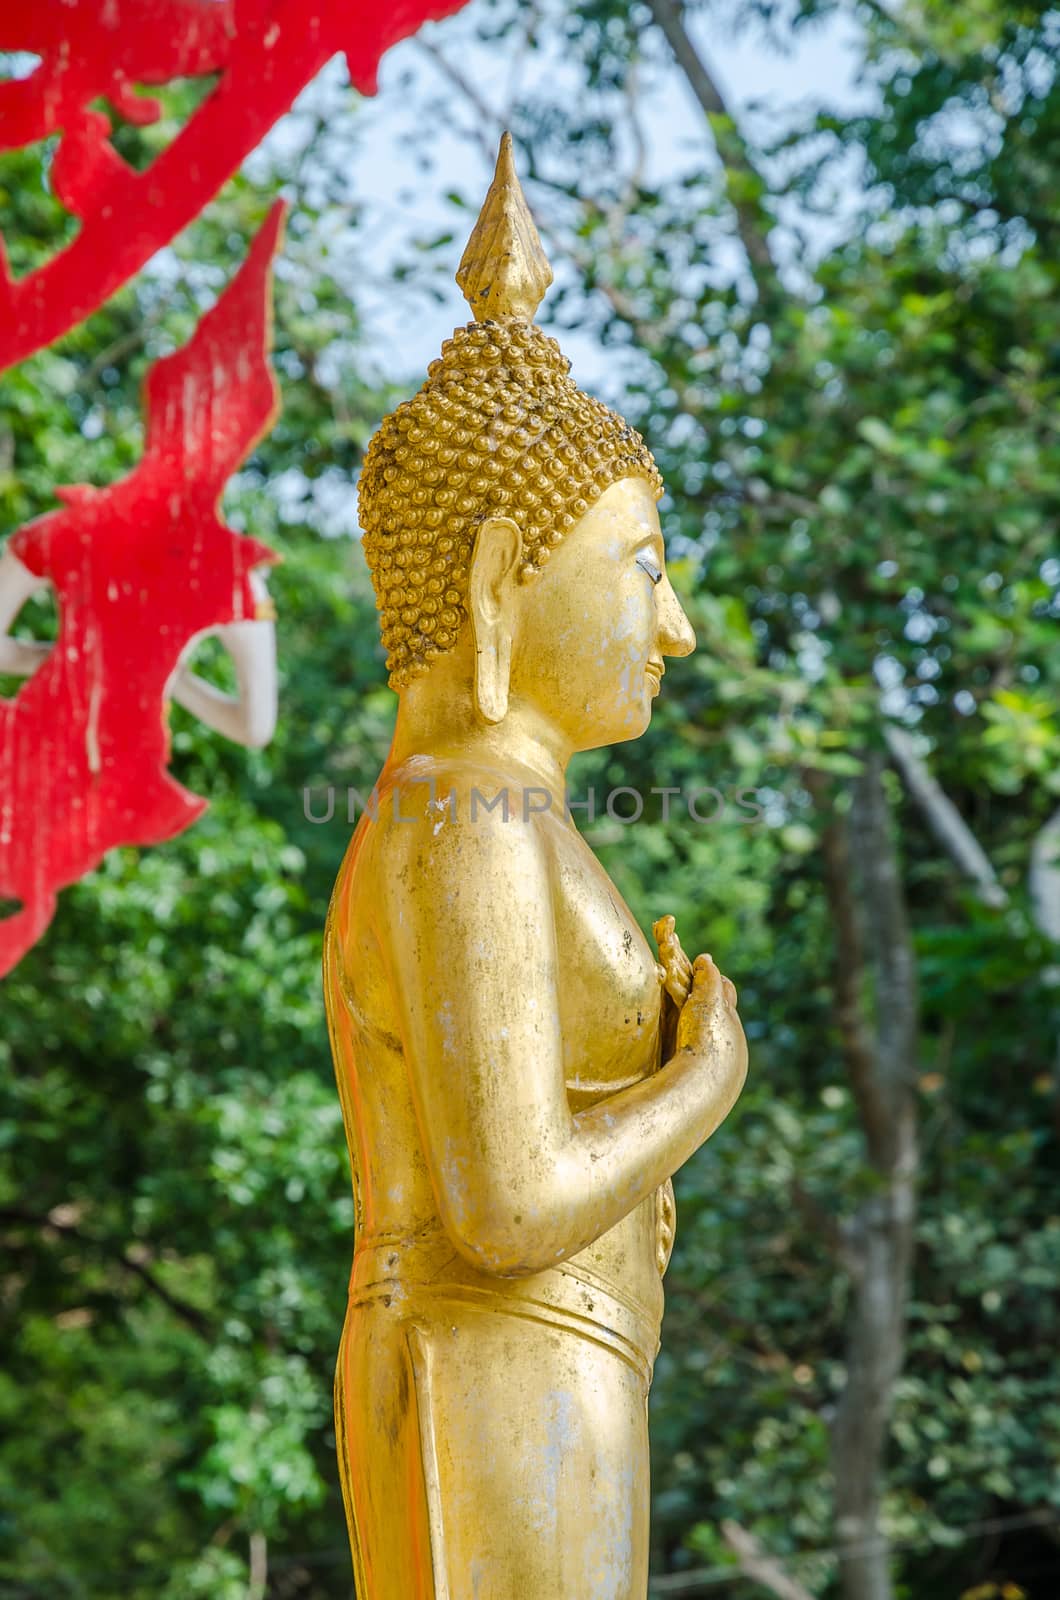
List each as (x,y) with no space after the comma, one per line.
(609,992)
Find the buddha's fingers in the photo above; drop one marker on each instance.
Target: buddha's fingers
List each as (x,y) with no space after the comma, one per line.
(706,981)
(677,968)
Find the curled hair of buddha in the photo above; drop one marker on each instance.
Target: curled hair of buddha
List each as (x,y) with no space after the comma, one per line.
(498,429)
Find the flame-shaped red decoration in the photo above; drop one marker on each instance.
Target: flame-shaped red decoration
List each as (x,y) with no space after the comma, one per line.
(142,566)
(265,52)
(138,569)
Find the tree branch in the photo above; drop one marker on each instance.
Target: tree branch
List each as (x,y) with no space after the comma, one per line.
(182,1308)
(486,117)
(745,1337)
(258,1586)
(1045,878)
(943,818)
(756,1563)
(1044,884)
(743,182)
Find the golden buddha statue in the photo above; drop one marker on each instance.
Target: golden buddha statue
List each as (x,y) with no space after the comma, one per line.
(520,1075)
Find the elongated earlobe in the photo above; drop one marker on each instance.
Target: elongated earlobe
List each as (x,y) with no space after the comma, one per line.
(491,603)
(493,664)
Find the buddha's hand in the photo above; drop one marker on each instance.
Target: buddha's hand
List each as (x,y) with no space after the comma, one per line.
(709,1025)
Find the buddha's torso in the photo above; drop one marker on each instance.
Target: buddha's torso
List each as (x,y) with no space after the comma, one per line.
(609,999)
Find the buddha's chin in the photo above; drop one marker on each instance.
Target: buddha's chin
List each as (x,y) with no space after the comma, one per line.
(639,723)
(604,734)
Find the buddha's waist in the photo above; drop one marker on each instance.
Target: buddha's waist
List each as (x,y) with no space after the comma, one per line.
(419,1273)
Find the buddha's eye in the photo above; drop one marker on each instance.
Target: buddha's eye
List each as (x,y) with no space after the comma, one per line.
(648,564)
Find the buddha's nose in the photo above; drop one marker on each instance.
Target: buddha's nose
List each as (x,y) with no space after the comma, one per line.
(676,636)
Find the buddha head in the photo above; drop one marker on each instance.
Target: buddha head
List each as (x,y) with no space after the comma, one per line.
(510,520)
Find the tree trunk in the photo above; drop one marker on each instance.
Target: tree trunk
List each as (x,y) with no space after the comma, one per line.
(874,958)
(874,1354)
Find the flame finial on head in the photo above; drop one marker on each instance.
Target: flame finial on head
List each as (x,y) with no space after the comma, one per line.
(504,271)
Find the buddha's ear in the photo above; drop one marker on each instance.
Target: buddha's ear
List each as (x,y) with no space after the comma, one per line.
(491,601)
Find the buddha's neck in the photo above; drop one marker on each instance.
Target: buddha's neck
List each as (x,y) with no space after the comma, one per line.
(437,717)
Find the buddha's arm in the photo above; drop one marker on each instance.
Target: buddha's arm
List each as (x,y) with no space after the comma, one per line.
(465,921)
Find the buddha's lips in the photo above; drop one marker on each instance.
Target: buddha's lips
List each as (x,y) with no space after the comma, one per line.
(654,670)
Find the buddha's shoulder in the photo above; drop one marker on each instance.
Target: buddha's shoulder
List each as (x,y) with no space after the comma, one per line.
(429,808)
(466,793)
